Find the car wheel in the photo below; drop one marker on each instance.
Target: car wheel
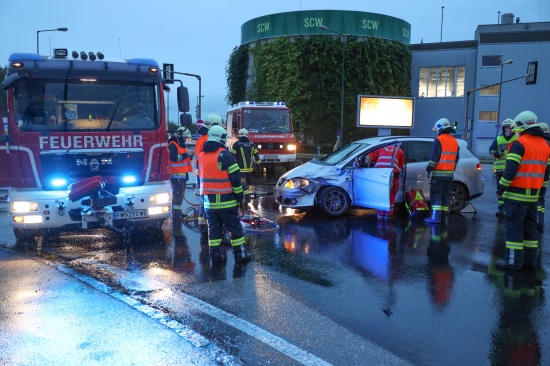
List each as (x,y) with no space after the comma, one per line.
(333,201)
(459,197)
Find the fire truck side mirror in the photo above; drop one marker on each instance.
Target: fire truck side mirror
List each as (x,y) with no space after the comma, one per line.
(186,120)
(183,99)
(10,81)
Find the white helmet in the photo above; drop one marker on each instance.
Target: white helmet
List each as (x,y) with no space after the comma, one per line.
(524,121)
(212,120)
(544,127)
(508,122)
(243,132)
(217,134)
(183,132)
(442,124)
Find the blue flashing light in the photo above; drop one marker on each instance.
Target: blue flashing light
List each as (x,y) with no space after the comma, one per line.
(59,182)
(129,179)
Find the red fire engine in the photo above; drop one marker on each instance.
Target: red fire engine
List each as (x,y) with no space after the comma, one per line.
(269,126)
(86,144)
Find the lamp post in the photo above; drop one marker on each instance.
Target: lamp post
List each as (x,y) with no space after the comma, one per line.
(47,30)
(509,62)
(325,28)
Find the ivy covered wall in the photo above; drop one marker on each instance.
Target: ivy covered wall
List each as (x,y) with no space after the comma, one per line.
(305,72)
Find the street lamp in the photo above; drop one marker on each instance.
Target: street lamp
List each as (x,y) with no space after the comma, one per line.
(48,30)
(325,28)
(509,62)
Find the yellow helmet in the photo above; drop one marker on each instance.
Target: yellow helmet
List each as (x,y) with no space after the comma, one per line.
(212,120)
(524,121)
(217,134)
(243,132)
(183,132)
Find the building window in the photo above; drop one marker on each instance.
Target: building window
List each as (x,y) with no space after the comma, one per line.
(441,82)
(492,90)
(491,60)
(487,116)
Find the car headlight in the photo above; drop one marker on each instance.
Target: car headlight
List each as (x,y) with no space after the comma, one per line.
(160,198)
(296,183)
(22,206)
(291,147)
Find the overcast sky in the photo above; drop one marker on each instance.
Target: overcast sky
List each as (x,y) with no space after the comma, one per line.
(199,36)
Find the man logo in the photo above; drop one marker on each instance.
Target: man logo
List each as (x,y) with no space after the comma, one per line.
(270,146)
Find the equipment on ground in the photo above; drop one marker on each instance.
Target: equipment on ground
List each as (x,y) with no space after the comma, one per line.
(416,204)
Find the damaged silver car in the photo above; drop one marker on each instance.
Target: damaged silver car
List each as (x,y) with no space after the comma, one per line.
(345,179)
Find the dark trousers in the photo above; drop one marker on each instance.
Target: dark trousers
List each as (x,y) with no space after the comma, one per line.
(498,175)
(245,181)
(178,190)
(521,225)
(440,194)
(216,222)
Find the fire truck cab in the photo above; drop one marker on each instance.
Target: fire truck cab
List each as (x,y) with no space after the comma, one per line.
(269,126)
(86,144)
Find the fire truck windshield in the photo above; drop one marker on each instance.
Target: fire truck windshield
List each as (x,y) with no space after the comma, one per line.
(267,120)
(62,105)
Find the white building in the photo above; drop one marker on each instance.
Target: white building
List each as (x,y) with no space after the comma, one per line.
(445,77)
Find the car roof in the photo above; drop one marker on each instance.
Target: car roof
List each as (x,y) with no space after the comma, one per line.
(382,139)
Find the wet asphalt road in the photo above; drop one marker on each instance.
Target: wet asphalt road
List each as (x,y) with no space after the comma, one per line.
(345,291)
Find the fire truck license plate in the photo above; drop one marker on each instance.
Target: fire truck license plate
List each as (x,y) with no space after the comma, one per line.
(131,214)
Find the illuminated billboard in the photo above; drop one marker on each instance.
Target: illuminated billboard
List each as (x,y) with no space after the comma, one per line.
(385,112)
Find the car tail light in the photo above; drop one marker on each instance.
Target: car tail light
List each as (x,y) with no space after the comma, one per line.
(478,166)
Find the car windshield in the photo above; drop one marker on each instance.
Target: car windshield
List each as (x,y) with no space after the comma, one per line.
(41,105)
(344,153)
(267,120)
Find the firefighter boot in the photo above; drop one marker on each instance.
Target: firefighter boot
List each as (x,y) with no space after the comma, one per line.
(513,260)
(241,254)
(216,255)
(435,218)
(530,258)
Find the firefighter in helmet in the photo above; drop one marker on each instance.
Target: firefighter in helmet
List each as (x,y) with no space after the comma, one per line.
(442,165)
(210,120)
(247,156)
(222,193)
(180,166)
(523,181)
(499,150)
(541,203)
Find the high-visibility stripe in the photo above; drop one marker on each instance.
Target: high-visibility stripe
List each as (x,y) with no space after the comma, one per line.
(180,167)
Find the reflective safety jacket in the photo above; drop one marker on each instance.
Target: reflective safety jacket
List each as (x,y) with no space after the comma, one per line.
(180,162)
(500,146)
(383,158)
(444,157)
(220,182)
(246,154)
(527,170)
(199,144)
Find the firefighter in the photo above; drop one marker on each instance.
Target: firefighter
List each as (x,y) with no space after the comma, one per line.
(222,193)
(541,203)
(523,181)
(386,157)
(202,133)
(442,165)
(499,149)
(180,166)
(246,154)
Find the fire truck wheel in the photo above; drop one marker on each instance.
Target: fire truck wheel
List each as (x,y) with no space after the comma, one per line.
(24,235)
(333,201)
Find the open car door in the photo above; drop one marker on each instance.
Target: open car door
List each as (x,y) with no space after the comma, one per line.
(372,186)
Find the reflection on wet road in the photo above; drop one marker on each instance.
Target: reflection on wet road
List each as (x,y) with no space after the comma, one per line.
(428,294)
